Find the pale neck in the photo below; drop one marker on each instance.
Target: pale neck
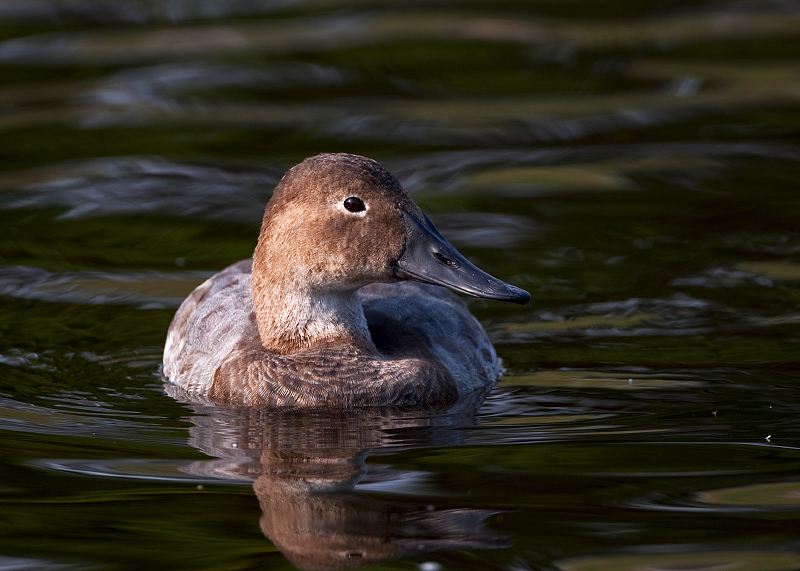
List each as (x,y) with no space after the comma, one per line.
(291,319)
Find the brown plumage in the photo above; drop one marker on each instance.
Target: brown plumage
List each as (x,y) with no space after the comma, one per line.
(290,328)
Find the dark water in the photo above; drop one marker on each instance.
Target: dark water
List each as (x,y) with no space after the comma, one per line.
(634,165)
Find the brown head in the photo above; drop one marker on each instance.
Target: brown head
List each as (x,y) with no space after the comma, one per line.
(335,223)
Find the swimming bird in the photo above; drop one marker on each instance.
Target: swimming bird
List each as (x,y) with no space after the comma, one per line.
(340,305)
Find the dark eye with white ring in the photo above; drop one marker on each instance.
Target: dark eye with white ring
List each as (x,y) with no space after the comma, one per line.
(354,204)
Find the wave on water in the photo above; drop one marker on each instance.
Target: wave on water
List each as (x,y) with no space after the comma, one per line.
(147,290)
(131,11)
(681,315)
(151,469)
(112,186)
(103,421)
(448,171)
(157,85)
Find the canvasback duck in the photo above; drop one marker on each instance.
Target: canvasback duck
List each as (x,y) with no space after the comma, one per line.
(335,307)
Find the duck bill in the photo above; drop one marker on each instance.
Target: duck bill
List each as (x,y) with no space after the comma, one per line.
(430,259)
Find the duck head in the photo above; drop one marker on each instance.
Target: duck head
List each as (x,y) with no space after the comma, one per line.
(335,223)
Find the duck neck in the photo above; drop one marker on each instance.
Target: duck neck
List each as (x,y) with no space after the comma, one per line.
(292,318)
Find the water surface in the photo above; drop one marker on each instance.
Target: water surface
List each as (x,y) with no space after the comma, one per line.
(634,165)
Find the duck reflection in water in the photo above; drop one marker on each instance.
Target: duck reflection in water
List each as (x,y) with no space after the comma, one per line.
(306,465)
(338,313)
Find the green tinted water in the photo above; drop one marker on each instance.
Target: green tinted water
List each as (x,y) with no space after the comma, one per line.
(634,165)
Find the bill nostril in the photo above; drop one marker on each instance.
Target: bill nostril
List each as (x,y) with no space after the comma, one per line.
(446,261)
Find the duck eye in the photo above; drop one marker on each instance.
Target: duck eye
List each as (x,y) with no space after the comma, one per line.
(354,204)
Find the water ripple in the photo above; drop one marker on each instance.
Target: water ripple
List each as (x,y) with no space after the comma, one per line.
(698,559)
(31,564)
(112,11)
(486,229)
(16,416)
(135,185)
(148,290)
(721,277)
(150,469)
(681,315)
(455,171)
(158,85)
